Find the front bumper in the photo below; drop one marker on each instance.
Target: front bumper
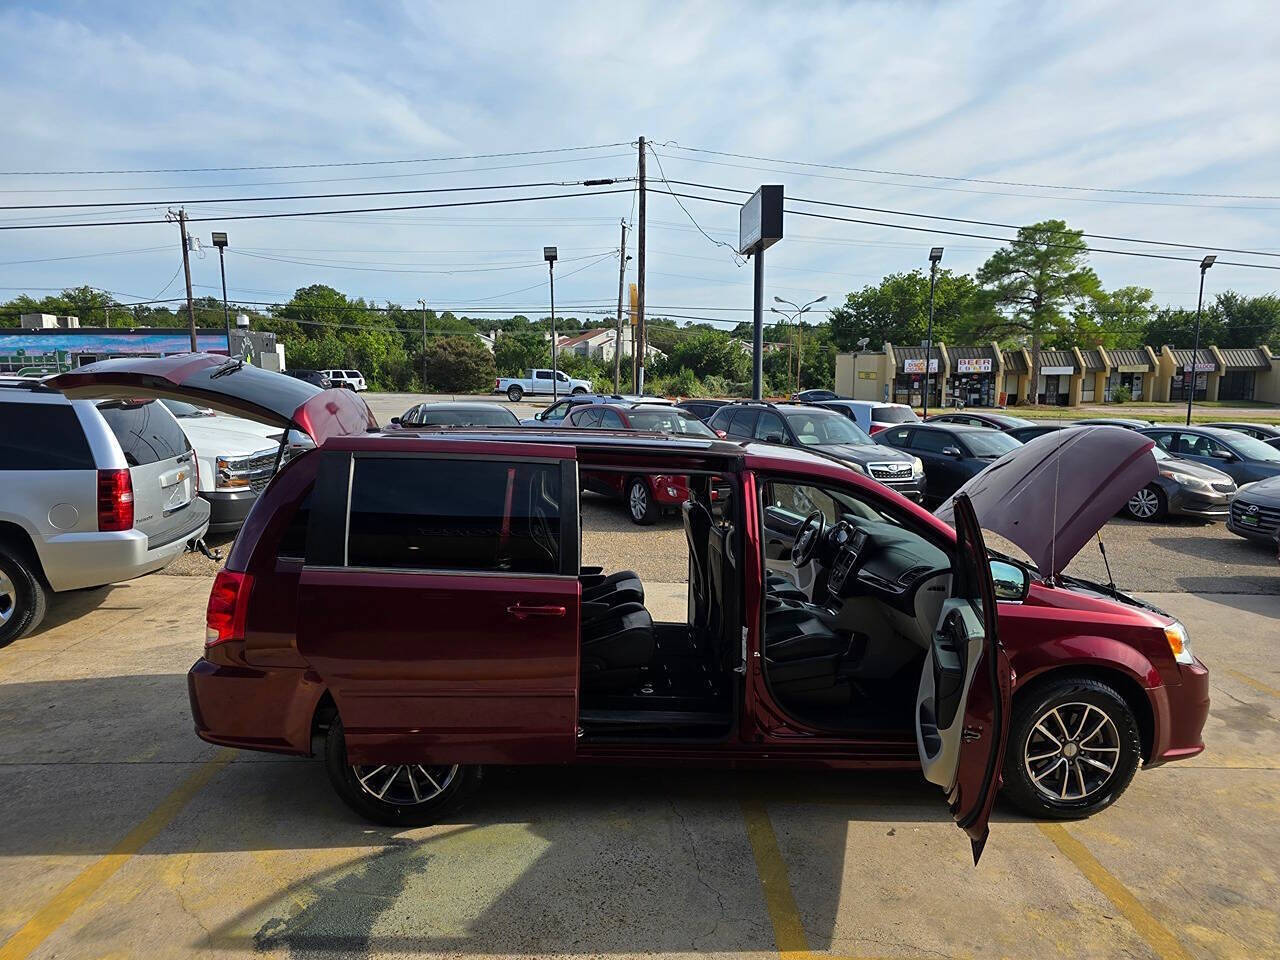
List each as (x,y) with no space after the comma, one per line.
(228,508)
(1199,503)
(913,490)
(1179,711)
(72,561)
(1263,530)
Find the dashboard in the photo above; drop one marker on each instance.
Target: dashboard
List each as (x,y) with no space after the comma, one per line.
(880,558)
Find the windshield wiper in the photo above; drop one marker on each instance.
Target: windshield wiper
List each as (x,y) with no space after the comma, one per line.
(228,366)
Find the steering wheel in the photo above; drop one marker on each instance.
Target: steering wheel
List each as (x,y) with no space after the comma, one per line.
(807,539)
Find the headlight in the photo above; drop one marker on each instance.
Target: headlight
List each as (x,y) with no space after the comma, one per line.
(917,468)
(1186,480)
(857,467)
(231,474)
(1179,642)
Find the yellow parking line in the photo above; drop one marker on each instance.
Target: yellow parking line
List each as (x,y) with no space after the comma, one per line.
(1158,937)
(788,930)
(1256,684)
(71,897)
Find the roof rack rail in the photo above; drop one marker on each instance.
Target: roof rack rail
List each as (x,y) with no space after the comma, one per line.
(754,403)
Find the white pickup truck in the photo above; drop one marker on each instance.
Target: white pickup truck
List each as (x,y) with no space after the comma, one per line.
(540,381)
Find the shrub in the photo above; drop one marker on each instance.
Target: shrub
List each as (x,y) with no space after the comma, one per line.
(1121,394)
(459,365)
(682,384)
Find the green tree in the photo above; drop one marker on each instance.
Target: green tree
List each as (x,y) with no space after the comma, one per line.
(459,365)
(707,353)
(1035,283)
(517,352)
(896,310)
(1248,321)
(1176,326)
(1116,319)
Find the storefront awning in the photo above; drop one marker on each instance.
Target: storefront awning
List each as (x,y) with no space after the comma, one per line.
(1125,360)
(911,360)
(1204,360)
(1244,358)
(1057,363)
(1092,360)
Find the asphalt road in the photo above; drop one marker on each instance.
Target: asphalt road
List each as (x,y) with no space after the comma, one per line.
(125,836)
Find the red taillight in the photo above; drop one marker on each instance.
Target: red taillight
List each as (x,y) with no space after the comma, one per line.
(496,384)
(228,604)
(115,500)
(877,427)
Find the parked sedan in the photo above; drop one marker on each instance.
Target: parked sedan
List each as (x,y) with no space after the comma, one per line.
(1033,430)
(978,418)
(704,410)
(1128,423)
(1244,458)
(815,396)
(646,495)
(456,415)
(952,454)
(1259,431)
(1183,488)
(1255,511)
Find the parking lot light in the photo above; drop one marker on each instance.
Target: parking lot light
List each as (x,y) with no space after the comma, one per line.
(1205,264)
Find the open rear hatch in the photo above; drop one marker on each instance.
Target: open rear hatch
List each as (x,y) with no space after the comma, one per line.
(228,385)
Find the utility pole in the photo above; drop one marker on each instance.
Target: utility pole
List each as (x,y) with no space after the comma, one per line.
(181,217)
(642,340)
(423,304)
(550,254)
(220,241)
(617,336)
(935,255)
(1205,264)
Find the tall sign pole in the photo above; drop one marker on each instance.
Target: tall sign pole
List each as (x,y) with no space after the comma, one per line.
(759,227)
(1205,264)
(935,254)
(549,254)
(617,336)
(641,339)
(220,241)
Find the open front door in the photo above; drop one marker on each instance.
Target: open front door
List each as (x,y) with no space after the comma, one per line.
(962,708)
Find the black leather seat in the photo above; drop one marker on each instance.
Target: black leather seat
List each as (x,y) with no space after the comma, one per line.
(697,531)
(803,652)
(617,644)
(616,588)
(776,585)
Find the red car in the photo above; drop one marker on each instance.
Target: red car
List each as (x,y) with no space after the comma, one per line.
(417,604)
(646,495)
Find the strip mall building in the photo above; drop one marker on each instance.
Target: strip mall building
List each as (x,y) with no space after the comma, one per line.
(986,376)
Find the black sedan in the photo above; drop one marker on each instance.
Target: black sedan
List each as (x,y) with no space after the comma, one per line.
(1182,488)
(815,396)
(1259,431)
(1128,423)
(980,418)
(951,453)
(1244,458)
(1255,511)
(1033,430)
(448,414)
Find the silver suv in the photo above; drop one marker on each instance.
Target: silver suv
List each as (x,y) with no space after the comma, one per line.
(93,493)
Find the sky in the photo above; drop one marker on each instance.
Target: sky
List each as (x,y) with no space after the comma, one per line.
(1146,108)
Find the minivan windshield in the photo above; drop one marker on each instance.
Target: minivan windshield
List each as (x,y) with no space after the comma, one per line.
(815,429)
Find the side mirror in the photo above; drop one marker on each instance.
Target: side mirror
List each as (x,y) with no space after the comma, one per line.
(1224,455)
(395,420)
(773,438)
(722,435)
(951,451)
(1011,581)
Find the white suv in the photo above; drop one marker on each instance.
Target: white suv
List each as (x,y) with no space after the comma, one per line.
(93,492)
(351,379)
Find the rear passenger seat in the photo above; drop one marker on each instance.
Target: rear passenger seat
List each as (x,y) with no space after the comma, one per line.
(617,631)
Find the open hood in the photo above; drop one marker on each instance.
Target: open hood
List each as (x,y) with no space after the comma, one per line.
(1051,495)
(227,385)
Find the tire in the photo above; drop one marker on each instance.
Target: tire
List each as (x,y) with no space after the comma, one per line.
(515,392)
(1082,705)
(1149,504)
(640,503)
(23,596)
(456,783)
(578,391)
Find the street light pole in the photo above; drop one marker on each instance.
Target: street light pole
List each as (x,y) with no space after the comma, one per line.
(220,241)
(549,254)
(1205,264)
(794,316)
(423,303)
(935,254)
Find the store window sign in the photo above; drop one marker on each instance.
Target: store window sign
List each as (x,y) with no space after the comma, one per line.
(974,366)
(1199,367)
(917,366)
(1056,371)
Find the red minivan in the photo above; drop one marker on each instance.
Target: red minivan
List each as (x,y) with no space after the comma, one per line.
(414,606)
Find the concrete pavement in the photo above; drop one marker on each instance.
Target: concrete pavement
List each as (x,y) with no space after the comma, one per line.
(126,836)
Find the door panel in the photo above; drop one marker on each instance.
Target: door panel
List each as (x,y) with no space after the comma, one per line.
(446,668)
(963,704)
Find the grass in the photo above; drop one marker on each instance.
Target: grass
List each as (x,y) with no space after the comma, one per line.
(1243,411)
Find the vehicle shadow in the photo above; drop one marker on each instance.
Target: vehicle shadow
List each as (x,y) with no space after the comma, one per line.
(65,607)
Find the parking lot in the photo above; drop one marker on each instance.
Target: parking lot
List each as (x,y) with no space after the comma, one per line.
(125,835)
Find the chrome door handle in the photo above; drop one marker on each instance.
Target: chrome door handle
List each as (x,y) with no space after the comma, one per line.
(521,612)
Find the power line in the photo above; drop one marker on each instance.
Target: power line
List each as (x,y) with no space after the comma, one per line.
(310,213)
(317,196)
(982,236)
(307,166)
(404,268)
(1001,183)
(83,256)
(719,243)
(991,223)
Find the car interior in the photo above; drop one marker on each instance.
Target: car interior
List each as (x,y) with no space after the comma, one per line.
(656,679)
(853,597)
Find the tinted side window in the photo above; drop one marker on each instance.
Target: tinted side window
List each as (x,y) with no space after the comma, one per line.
(896,438)
(41,436)
(427,514)
(770,425)
(1164,440)
(609,420)
(743,422)
(932,441)
(543,375)
(293,543)
(587,417)
(146,432)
